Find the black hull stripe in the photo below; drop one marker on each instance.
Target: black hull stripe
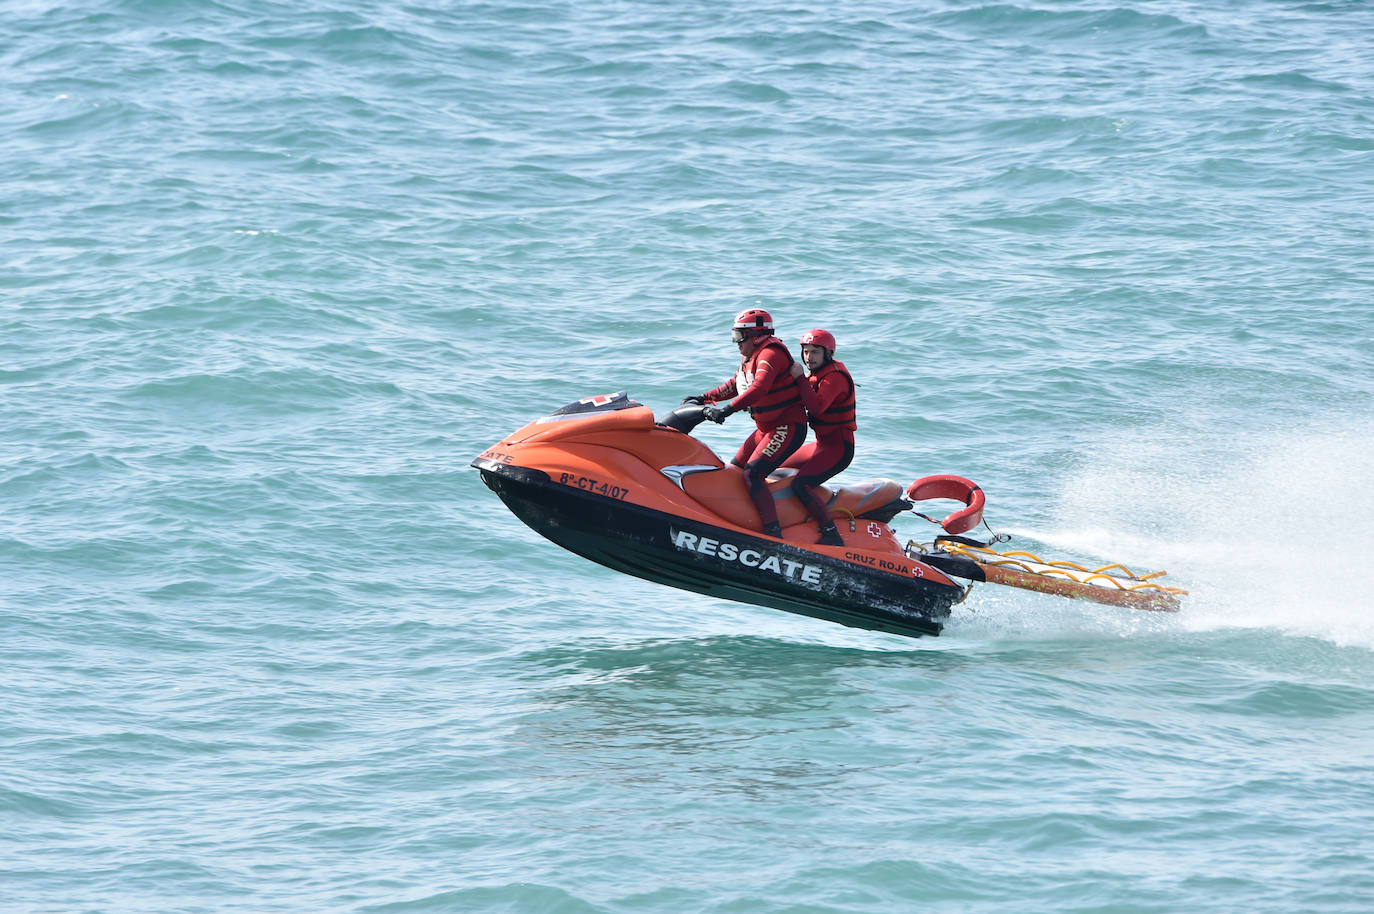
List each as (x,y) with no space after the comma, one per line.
(641,542)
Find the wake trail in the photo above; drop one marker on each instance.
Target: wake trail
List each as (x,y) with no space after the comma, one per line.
(1266,530)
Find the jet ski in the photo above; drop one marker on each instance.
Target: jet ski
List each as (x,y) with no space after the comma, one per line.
(605,479)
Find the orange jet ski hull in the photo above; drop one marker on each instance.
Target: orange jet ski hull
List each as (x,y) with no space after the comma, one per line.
(603,480)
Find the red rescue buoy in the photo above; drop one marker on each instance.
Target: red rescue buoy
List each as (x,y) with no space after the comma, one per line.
(957,488)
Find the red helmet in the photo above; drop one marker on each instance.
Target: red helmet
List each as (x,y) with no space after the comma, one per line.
(754,319)
(819,337)
(755,322)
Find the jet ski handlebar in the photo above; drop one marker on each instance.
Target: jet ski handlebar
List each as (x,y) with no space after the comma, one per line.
(684,418)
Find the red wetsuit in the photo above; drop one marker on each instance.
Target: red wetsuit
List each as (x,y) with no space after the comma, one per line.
(765,387)
(829,397)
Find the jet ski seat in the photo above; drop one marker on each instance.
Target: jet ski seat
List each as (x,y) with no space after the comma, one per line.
(872,499)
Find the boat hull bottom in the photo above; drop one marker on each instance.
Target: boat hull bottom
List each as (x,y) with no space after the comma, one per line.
(719,562)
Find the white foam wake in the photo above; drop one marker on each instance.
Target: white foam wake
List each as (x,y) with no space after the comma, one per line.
(1270,530)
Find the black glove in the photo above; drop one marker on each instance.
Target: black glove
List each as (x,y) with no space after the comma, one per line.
(695,401)
(717,414)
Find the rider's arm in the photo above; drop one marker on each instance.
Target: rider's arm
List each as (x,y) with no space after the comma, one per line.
(810,399)
(723,392)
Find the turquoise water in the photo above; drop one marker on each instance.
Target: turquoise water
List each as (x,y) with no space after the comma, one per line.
(274,273)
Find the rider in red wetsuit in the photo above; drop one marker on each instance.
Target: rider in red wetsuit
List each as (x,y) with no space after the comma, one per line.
(763,385)
(828,393)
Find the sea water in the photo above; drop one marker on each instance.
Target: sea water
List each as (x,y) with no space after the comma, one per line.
(272,274)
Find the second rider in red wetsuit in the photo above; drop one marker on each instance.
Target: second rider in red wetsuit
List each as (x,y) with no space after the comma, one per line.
(828,393)
(764,385)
